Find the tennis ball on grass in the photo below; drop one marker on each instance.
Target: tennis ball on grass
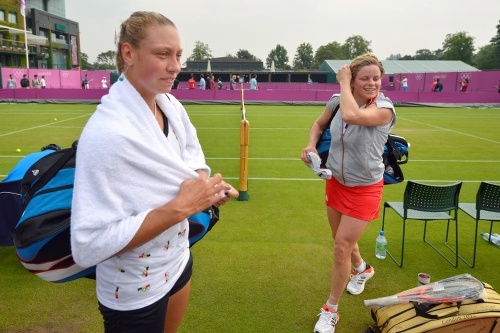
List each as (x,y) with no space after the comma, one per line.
(18,150)
(55,119)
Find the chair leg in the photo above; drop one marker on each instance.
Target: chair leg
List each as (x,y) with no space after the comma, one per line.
(454,251)
(473,263)
(399,263)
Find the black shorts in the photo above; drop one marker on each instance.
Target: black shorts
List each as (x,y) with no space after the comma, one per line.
(149,319)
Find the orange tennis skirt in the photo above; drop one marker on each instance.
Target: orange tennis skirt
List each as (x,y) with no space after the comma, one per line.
(361,202)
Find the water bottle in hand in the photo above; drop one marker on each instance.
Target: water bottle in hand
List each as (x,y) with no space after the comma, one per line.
(381,246)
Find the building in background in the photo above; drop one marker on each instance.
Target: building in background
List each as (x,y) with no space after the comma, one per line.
(53,40)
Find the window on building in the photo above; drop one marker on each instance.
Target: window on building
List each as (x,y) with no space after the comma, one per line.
(13,18)
(2,15)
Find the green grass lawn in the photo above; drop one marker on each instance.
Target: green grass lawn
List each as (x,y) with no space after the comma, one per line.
(265,267)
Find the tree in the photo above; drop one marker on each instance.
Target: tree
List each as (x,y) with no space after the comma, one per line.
(303,57)
(355,46)
(244,54)
(106,60)
(280,57)
(201,51)
(425,54)
(407,57)
(85,64)
(458,46)
(329,51)
(496,40)
(487,57)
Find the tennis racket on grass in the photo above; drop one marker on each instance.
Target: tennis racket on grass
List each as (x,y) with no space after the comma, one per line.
(454,289)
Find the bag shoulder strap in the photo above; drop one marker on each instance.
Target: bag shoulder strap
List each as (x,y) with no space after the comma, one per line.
(334,112)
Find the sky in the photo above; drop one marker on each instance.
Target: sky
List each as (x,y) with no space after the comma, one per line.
(226,26)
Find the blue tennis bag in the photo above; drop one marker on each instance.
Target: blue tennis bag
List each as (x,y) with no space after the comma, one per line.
(395,153)
(42,234)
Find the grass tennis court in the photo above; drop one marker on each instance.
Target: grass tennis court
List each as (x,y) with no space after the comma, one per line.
(265,266)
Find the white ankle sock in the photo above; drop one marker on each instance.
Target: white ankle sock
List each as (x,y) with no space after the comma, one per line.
(361,267)
(334,307)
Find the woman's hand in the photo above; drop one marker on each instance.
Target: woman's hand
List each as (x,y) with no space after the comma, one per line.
(344,75)
(304,155)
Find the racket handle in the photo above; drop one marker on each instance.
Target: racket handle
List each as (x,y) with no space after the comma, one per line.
(382,301)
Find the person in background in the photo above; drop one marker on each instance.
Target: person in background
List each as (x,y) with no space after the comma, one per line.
(141,173)
(232,82)
(176,84)
(464,85)
(104,83)
(35,83)
(220,85)
(253,82)
(433,85)
(439,86)
(191,82)
(404,83)
(354,193)
(25,83)
(43,84)
(11,82)
(212,82)
(202,84)
(309,81)
(85,82)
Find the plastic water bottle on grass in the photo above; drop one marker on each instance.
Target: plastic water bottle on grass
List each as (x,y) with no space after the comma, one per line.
(495,239)
(381,246)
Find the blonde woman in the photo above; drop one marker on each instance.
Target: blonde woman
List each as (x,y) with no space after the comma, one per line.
(354,193)
(141,172)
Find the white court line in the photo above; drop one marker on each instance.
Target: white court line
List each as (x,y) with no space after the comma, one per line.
(41,126)
(452,131)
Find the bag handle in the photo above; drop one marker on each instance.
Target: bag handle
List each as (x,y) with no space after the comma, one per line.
(51,172)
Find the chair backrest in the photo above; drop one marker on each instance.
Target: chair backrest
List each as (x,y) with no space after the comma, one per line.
(431,198)
(488,197)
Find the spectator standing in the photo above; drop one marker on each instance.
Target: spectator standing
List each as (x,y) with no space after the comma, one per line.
(104,83)
(176,84)
(253,82)
(85,82)
(43,84)
(404,82)
(464,85)
(35,83)
(212,82)
(191,82)
(220,85)
(202,84)
(232,82)
(11,82)
(439,86)
(433,86)
(25,83)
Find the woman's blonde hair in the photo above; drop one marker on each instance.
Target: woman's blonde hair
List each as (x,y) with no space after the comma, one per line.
(133,30)
(363,60)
